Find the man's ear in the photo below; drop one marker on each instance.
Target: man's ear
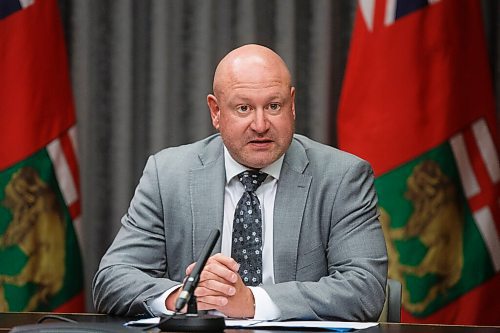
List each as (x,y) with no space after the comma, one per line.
(213,105)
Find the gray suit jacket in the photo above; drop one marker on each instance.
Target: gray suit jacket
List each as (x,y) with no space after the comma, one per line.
(330,259)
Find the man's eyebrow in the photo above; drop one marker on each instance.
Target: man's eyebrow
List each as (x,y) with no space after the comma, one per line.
(238,100)
(277,96)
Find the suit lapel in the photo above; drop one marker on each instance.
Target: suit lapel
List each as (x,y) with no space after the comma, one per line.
(207,196)
(290,202)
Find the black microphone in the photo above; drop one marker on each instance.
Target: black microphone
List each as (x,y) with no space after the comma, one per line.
(193,278)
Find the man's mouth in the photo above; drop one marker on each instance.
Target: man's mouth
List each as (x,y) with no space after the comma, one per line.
(260,142)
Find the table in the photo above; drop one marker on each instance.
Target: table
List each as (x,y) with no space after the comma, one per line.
(11,319)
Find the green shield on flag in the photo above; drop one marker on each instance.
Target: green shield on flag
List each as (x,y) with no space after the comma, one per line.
(40,263)
(435,248)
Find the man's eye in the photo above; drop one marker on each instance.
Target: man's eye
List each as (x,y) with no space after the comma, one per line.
(274,107)
(243,108)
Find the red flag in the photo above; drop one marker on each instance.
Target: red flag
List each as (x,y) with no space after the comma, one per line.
(40,264)
(417,103)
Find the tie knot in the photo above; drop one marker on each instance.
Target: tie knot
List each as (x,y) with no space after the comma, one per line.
(251,179)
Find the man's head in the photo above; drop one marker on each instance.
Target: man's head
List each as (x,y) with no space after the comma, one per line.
(253,105)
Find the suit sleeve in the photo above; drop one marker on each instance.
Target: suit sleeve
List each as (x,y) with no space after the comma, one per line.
(354,287)
(133,269)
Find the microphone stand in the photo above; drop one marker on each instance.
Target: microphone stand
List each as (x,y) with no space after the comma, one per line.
(192,321)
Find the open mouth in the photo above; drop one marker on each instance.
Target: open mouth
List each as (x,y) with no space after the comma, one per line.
(261,143)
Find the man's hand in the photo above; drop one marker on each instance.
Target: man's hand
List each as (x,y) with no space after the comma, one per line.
(170,301)
(221,288)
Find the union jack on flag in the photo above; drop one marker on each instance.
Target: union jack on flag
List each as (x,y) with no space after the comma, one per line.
(394,9)
(8,7)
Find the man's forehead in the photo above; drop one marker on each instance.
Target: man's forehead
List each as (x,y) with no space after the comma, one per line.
(250,68)
(249,93)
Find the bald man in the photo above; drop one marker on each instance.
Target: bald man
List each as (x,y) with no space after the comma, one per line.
(321,252)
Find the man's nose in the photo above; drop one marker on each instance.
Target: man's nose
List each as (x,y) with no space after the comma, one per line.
(260,123)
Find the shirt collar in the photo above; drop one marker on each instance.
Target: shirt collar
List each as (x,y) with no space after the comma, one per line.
(234,168)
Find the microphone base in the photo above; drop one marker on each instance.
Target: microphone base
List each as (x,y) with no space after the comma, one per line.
(194,323)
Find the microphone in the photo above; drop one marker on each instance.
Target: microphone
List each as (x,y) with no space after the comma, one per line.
(192,321)
(193,278)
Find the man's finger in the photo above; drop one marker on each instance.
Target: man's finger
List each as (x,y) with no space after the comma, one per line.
(216,271)
(229,262)
(213,287)
(211,302)
(220,271)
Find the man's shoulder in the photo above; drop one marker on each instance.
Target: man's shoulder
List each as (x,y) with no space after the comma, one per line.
(205,149)
(324,160)
(322,152)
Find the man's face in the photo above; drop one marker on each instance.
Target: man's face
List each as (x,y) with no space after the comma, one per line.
(255,115)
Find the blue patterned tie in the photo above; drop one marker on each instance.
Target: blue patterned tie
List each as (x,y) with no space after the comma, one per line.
(246,248)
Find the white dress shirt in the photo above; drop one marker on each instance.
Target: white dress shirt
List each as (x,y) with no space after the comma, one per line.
(265,308)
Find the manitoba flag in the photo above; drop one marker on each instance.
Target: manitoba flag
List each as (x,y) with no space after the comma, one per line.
(40,263)
(417,103)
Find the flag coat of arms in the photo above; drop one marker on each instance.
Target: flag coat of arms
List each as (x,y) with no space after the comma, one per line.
(417,103)
(40,263)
